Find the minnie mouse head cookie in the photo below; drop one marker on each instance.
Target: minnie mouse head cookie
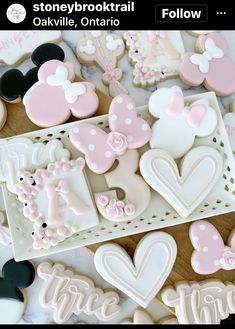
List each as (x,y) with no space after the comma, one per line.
(179,123)
(54,97)
(15,276)
(14,84)
(210,65)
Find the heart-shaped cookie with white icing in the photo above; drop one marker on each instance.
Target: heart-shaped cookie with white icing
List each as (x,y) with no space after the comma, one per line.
(185,189)
(141,279)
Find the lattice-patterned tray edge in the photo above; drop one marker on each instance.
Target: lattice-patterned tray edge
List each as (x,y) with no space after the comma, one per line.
(215,204)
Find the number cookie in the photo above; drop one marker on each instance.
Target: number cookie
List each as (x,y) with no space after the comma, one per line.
(54,97)
(185,190)
(104,49)
(141,279)
(128,131)
(210,254)
(14,84)
(137,192)
(179,124)
(155,55)
(210,66)
(16,275)
(21,153)
(70,293)
(15,46)
(58,201)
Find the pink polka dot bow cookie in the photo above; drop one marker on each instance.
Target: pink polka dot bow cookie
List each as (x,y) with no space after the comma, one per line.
(55,97)
(128,131)
(211,254)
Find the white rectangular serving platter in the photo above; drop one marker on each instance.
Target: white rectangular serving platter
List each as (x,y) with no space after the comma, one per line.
(159,213)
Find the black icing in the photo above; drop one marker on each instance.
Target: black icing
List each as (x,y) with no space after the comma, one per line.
(14,84)
(15,275)
(229,320)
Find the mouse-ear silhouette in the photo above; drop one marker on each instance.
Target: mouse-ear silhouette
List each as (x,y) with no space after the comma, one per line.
(18,274)
(47,52)
(14,84)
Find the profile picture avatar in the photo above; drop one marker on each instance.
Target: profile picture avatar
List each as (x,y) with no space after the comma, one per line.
(16,13)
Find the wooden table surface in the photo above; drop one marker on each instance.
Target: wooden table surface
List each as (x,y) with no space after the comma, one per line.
(18,123)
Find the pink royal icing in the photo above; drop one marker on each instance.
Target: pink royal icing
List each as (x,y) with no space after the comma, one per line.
(210,254)
(57,200)
(212,66)
(54,97)
(193,114)
(128,131)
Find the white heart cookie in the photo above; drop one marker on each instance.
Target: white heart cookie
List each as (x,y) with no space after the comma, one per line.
(141,279)
(201,168)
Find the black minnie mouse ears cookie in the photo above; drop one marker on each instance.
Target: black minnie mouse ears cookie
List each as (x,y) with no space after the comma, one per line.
(15,276)
(14,84)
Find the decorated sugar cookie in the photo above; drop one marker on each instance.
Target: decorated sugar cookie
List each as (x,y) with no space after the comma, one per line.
(142,278)
(229,122)
(137,192)
(3,114)
(210,65)
(179,123)
(155,55)
(68,293)
(142,317)
(186,188)
(14,84)
(15,46)
(196,33)
(5,236)
(57,200)
(54,97)
(128,131)
(15,277)
(21,153)
(104,49)
(211,254)
(204,302)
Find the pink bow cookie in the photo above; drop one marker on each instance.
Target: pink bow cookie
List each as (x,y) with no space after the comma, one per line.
(211,66)
(210,254)
(55,97)
(128,131)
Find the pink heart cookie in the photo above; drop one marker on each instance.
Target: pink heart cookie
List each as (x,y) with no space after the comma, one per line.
(128,131)
(210,254)
(54,97)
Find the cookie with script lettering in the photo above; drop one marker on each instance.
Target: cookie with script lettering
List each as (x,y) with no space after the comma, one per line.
(210,66)
(15,277)
(68,293)
(154,54)
(15,46)
(203,302)
(104,49)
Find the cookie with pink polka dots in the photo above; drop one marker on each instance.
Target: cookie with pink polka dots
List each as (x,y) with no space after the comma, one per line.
(128,131)
(210,254)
